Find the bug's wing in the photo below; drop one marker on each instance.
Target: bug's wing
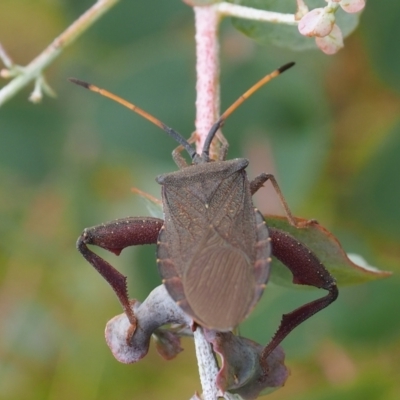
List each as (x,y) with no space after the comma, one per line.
(213,249)
(219,283)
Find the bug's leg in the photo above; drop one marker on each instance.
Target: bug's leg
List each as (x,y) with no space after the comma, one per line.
(258,182)
(223,150)
(176,153)
(218,151)
(306,270)
(181,162)
(177,157)
(146,196)
(115,236)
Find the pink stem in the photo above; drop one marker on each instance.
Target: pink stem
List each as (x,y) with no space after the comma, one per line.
(207,68)
(207,112)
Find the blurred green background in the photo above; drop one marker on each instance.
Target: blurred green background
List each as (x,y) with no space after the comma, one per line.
(329,129)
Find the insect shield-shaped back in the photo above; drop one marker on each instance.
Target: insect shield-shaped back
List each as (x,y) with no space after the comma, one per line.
(213,250)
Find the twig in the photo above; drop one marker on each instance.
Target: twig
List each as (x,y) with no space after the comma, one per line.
(7,61)
(34,70)
(207,69)
(208,368)
(235,10)
(207,112)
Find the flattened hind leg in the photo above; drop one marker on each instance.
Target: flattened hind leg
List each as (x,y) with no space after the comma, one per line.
(306,270)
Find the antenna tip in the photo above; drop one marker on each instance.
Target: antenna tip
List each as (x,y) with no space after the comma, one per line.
(285,67)
(80,83)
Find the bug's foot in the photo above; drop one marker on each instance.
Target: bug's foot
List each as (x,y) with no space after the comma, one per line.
(129,334)
(306,224)
(264,366)
(133,320)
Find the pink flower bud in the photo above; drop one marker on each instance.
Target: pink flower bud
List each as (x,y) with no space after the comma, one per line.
(317,22)
(352,6)
(331,43)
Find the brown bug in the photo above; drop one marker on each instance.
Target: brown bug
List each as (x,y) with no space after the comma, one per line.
(213,246)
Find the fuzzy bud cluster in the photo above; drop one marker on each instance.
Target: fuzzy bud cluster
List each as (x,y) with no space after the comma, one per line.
(320,23)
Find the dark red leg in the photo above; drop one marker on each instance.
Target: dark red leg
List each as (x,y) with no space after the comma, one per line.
(306,270)
(115,236)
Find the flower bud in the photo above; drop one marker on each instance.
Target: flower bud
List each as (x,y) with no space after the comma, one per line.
(331,43)
(317,22)
(352,6)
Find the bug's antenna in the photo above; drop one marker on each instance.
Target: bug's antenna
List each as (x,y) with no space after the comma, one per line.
(236,104)
(174,134)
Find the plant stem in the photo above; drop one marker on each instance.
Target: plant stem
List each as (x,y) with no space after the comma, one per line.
(207,71)
(207,111)
(235,10)
(208,368)
(35,68)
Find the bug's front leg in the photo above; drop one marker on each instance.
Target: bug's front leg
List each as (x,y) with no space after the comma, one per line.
(115,236)
(258,182)
(306,270)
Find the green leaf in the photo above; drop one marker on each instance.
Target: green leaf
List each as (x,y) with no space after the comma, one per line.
(377,188)
(381,26)
(195,3)
(287,36)
(328,250)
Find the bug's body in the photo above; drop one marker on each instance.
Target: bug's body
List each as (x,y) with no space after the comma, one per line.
(213,245)
(213,250)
